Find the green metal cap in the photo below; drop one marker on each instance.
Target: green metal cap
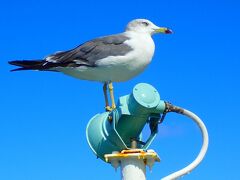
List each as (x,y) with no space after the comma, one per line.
(143,99)
(146,95)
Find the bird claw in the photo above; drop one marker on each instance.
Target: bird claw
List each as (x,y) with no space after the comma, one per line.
(108,109)
(113,106)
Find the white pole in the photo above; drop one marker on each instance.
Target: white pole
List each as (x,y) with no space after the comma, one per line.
(133,168)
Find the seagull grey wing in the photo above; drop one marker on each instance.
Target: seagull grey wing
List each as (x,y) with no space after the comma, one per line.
(90,52)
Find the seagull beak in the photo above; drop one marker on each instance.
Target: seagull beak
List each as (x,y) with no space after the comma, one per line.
(163,30)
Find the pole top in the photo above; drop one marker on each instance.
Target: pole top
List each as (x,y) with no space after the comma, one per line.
(149,157)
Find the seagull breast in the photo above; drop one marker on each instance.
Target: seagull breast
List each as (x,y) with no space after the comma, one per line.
(143,49)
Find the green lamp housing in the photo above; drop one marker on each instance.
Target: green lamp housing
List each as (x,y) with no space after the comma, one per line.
(113,131)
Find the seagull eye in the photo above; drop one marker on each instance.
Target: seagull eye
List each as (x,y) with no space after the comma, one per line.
(145,23)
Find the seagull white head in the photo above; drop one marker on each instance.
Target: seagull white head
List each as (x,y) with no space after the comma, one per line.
(146,26)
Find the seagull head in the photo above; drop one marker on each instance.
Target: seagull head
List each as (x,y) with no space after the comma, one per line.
(146,26)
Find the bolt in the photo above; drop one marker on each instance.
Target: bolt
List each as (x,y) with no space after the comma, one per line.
(110,118)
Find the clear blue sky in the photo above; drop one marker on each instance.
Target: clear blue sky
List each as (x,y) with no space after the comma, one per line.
(44,115)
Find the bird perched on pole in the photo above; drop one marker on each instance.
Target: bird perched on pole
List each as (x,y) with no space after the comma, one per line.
(106,59)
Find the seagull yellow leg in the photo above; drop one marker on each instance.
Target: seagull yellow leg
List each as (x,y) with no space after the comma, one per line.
(110,86)
(107,107)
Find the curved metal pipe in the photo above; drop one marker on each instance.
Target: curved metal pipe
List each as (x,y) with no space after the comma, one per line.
(199,158)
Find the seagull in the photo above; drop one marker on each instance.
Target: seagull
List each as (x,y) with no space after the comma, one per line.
(107,59)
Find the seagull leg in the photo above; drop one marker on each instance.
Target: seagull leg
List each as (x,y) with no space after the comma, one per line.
(107,107)
(110,86)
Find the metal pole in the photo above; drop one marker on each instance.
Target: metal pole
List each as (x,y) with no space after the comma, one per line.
(132,169)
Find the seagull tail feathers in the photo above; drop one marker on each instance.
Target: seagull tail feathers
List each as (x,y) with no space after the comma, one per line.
(28,65)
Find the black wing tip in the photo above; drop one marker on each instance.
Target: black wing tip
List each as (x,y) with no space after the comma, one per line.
(26,64)
(18,69)
(11,62)
(16,62)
